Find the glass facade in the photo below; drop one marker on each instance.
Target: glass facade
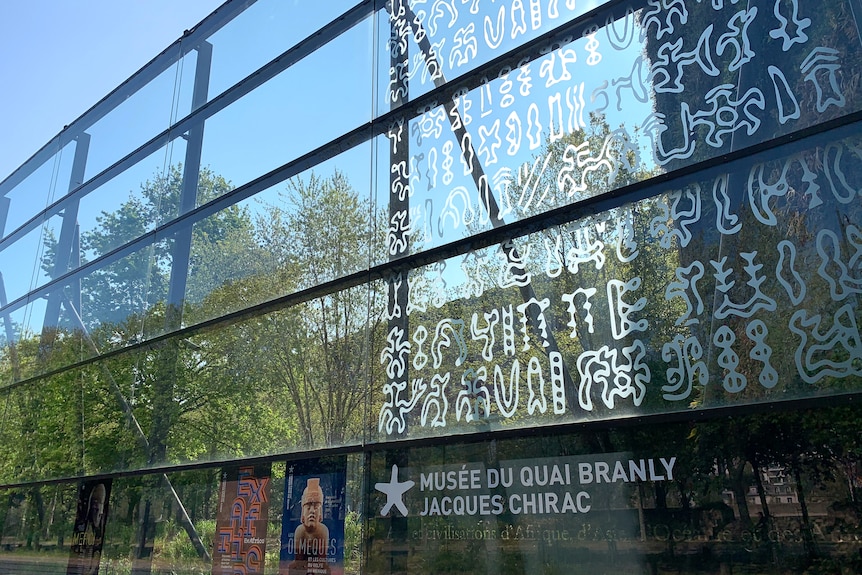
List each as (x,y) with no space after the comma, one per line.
(446,286)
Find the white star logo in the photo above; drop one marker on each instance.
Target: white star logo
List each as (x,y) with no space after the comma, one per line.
(394,491)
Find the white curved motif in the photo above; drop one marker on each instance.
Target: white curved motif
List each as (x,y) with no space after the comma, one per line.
(489,143)
(464,46)
(420,358)
(618,377)
(844,278)
(555,66)
(474,282)
(458,208)
(587,293)
(474,399)
(513,271)
(685,287)
(627,247)
(783,31)
(485,334)
(726,222)
(508,322)
(441,9)
(667,71)
(788,106)
(535,378)
(558,386)
(391,418)
(786,273)
(723,117)
(835,352)
(759,193)
(821,69)
(507,395)
(673,222)
(540,323)
(687,367)
(738,38)
(661,13)
(436,404)
(833,159)
(393,306)
(448,330)
(757,301)
(620,312)
(395,354)
(761,352)
(724,338)
(554,264)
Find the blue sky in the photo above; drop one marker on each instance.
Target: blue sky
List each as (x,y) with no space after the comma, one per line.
(59,57)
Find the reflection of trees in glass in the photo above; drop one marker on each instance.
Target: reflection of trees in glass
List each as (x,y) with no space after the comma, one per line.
(295,375)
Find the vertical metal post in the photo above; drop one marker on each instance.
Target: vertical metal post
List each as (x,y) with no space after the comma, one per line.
(164,407)
(66,243)
(181,250)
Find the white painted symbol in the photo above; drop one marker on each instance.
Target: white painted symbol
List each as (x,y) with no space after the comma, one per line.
(394,491)
(786,273)
(685,287)
(844,277)
(758,299)
(757,332)
(474,399)
(586,307)
(833,158)
(835,351)
(437,401)
(395,407)
(821,69)
(688,367)
(738,39)
(726,222)
(621,312)
(799,35)
(788,106)
(616,376)
(724,338)
(507,396)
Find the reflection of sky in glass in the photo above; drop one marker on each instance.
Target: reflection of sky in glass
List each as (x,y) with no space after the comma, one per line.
(47,183)
(303,107)
(135,121)
(263,31)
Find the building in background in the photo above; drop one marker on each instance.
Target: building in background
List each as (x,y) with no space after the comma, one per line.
(519,286)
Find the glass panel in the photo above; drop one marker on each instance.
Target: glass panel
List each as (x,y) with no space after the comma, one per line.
(292,236)
(278,121)
(730,287)
(138,119)
(18,264)
(44,428)
(188,521)
(454,38)
(114,302)
(624,103)
(291,380)
(37,525)
(78,422)
(275,27)
(39,189)
(20,360)
(132,203)
(750,494)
